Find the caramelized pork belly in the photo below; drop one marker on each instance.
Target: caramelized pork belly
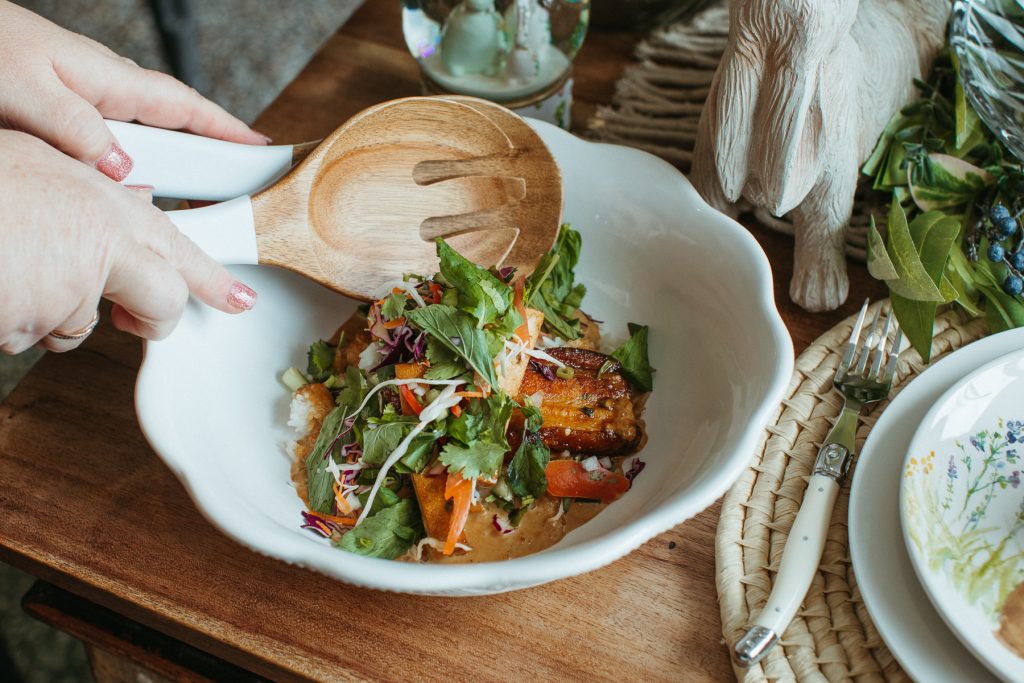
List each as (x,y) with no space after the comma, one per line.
(590,413)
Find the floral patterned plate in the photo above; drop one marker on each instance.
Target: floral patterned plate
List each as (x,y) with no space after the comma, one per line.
(962,510)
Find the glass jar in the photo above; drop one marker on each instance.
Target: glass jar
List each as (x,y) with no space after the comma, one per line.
(511,51)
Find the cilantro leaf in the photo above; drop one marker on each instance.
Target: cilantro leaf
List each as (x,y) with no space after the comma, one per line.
(479,292)
(354,390)
(633,357)
(320,363)
(455,330)
(482,459)
(499,408)
(526,469)
(319,480)
(393,306)
(386,534)
(467,426)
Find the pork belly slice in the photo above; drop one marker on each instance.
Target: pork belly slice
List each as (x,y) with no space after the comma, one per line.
(591,413)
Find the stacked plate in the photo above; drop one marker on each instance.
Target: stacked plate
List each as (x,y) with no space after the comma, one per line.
(937,517)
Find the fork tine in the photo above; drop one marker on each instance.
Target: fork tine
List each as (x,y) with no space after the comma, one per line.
(894,356)
(851,345)
(879,350)
(869,341)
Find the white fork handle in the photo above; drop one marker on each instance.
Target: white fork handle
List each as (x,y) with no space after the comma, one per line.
(226,231)
(185,166)
(800,559)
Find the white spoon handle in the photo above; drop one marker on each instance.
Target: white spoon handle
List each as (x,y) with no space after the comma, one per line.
(185,166)
(225,231)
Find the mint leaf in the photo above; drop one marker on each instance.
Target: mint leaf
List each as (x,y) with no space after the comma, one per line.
(479,292)
(552,288)
(482,459)
(633,357)
(387,534)
(381,440)
(393,306)
(320,482)
(532,418)
(526,469)
(419,453)
(320,360)
(447,370)
(455,331)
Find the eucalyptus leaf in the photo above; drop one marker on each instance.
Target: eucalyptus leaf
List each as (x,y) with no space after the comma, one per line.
(916,318)
(914,281)
(880,266)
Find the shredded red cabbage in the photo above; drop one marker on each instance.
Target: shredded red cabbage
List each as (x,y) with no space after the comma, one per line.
(544,369)
(635,469)
(506,272)
(317,524)
(501,526)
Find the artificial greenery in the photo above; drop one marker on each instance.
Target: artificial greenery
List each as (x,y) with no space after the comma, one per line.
(956,193)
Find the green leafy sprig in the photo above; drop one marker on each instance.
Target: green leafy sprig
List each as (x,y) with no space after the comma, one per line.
(946,172)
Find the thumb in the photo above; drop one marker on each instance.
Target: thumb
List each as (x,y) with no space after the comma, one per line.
(75,127)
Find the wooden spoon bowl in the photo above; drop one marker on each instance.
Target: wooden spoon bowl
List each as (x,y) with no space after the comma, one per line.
(366,205)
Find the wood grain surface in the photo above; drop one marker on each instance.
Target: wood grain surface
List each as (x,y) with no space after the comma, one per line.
(86,505)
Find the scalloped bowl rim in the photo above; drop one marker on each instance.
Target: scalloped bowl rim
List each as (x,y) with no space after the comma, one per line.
(553,563)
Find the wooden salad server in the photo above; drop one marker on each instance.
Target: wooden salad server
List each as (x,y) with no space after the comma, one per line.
(365,206)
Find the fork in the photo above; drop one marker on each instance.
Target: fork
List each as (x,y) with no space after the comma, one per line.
(859,384)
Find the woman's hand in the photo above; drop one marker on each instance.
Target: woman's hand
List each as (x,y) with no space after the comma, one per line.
(58,86)
(72,236)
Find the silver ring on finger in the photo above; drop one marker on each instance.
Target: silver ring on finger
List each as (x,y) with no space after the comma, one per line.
(80,333)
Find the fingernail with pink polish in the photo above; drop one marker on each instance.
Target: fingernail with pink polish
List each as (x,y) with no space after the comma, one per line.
(266,138)
(241,297)
(115,164)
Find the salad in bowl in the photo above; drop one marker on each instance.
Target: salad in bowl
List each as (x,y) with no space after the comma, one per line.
(467,416)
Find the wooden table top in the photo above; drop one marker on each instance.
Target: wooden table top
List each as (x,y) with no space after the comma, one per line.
(87,505)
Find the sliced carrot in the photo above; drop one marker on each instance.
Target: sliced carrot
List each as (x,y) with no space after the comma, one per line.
(339,498)
(344,521)
(470,394)
(435,291)
(409,370)
(456,410)
(523,331)
(568,479)
(460,491)
(392,324)
(409,399)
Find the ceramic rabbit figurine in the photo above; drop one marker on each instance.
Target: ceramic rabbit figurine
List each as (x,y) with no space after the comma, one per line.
(802,93)
(473,40)
(526,27)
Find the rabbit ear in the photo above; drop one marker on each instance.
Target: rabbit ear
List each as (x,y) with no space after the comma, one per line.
(785,156)
(732,112)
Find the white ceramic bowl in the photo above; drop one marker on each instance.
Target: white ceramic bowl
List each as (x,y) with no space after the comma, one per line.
(210,402)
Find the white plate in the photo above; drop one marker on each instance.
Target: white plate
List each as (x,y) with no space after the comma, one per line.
(961,505)
(210,402)
(901,611)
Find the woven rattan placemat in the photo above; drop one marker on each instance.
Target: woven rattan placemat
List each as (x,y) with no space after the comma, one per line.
(832,637)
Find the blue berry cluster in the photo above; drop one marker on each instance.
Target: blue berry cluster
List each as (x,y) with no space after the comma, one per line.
(1005,227)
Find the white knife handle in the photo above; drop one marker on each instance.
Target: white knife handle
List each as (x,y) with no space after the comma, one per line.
(800,559)
(225,231)
(185,166)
